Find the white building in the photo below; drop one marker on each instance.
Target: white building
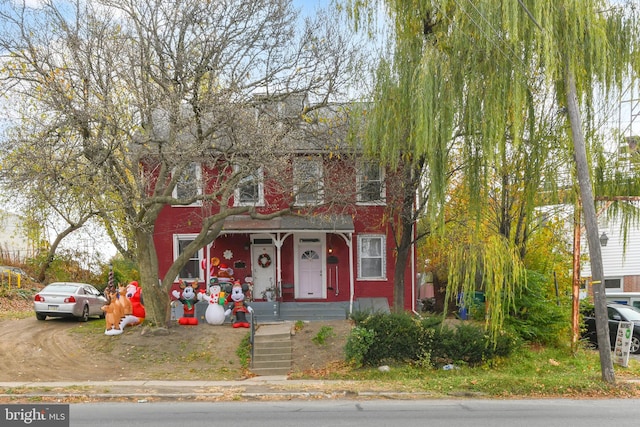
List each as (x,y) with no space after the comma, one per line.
(14,242)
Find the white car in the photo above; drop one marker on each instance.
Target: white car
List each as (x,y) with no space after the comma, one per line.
(69,299)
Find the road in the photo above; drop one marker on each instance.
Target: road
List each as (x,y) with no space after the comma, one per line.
(370,413)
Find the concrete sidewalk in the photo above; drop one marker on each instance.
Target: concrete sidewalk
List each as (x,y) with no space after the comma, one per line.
(267,387)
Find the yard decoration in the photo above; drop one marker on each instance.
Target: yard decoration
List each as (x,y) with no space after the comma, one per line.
(188,299)
(134,293)
(238,306)
(225,275)
(113,315)
(215,310)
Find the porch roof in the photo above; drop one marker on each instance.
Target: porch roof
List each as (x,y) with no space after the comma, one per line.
(244,223)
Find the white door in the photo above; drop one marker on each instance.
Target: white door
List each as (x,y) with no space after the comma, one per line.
(263,262)
(310,279)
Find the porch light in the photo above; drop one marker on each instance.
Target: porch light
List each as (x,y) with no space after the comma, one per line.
(604,239)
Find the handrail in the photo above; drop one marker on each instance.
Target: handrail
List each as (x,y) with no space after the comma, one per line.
(252,335)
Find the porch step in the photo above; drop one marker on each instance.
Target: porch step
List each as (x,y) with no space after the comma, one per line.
(272,350)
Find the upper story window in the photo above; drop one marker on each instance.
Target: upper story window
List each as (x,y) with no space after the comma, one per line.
(370,183)
(308,180)
(371,257)
(189,183)
(250,191)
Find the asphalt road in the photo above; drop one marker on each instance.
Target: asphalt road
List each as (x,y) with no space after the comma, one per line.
(370,413)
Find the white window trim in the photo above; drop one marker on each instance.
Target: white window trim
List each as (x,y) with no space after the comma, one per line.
(174,194)
(176,252)
(383,256)
(296,187)
(620,289)
(383,187)
(259,175)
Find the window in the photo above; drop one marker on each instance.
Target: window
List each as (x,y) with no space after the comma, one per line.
(251,190)
(189,184)
(370,183)
(308,185)
(192,269)
(371,257)
(613,284)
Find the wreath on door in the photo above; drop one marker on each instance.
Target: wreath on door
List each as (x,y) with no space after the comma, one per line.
(264,260)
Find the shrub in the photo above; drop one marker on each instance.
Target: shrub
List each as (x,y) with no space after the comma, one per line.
(359,316)
(535,317)
(358,343)
(469,344)
(399,337)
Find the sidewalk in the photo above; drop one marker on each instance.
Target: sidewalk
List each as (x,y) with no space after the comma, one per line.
(267,388)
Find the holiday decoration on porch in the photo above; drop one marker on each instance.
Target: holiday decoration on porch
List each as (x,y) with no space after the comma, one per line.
(215,310)
(264,260)
(238,306)
(225,276)
(187,296)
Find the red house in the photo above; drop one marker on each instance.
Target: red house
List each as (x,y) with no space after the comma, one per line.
(335,259)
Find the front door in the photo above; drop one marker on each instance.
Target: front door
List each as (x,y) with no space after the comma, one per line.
(263,262)
(310,262)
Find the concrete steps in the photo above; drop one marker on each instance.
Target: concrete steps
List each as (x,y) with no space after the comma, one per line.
(272,350)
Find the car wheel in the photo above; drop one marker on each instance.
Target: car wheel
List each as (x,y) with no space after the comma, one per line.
(85,314)
(41,316)
(635,344)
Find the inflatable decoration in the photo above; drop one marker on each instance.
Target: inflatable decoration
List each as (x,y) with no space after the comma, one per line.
(134,293)
(188,298)
(128,319)
(238,306)
(215,310)
(225,275)
(113,314)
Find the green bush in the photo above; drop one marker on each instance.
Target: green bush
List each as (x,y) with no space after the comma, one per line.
(358,343)
(468,344)
(399,337)
(537,318)
(403,338)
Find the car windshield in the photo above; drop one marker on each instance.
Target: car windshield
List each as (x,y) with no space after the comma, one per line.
(60,287)
(629,313)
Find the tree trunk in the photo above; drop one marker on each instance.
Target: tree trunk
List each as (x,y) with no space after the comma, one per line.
(402,259)
(406,220)
(156,296)
(591,226)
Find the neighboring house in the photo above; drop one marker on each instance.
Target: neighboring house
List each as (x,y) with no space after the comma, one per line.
(621,264)
(342,255)
(14,242)
(620,254)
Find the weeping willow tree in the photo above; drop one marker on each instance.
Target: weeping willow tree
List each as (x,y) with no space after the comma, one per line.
(478,60)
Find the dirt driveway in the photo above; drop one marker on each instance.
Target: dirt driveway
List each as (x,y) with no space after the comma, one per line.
(41,351)
(66,350)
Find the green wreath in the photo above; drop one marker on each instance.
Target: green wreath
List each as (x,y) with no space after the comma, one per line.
(264,260)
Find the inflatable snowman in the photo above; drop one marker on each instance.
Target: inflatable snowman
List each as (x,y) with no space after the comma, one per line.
(215,310)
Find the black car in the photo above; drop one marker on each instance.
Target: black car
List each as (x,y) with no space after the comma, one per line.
(616,314)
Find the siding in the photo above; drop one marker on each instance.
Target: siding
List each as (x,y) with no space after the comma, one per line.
(615,261)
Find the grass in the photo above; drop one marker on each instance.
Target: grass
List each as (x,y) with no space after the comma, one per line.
(537,373)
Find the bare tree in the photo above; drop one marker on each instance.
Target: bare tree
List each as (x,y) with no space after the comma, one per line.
(132,93)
